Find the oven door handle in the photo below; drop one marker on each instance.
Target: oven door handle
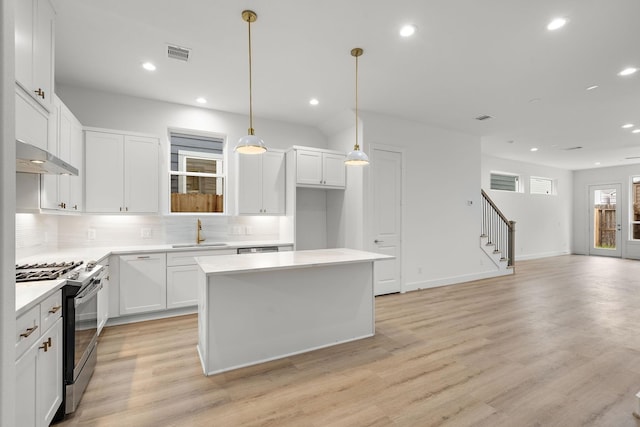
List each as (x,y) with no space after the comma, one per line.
(88,295)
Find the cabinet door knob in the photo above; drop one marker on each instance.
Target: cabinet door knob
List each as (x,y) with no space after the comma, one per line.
(40,93)
(75,207)
(61,205)
(45,346)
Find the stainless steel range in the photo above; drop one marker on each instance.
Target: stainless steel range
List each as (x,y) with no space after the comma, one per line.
(80,314)
(80,305)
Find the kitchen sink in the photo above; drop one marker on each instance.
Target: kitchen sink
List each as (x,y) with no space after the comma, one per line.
(198,245)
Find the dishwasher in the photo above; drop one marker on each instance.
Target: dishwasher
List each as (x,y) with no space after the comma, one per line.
(258,250)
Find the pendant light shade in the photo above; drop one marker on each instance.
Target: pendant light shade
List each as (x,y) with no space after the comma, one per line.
(250,144)
(356,157)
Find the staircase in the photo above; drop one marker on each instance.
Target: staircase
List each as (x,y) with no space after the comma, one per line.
(498,235)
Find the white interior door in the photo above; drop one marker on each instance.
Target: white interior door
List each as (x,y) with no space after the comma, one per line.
(605,220)
(386,173)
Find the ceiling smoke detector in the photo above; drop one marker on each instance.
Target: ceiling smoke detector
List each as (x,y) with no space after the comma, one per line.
(179,53)
(484,117)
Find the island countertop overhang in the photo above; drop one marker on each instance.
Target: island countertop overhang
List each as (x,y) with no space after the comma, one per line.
(232,264)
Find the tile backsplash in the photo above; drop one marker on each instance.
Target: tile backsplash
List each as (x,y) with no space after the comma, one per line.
(37,233)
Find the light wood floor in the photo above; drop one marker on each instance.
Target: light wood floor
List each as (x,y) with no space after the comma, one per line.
(557,344)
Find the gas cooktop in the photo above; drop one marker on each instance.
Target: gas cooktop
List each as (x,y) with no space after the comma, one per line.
(44,271)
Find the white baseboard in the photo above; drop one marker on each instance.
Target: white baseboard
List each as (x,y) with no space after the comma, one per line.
(540,255)
(414,286)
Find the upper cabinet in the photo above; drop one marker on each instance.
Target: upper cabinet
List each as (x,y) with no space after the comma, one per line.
(34,53)
(320,168)
(121,173)
(261,186)
(64,192)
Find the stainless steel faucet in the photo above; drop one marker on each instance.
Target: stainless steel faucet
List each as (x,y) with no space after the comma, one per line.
(199,238)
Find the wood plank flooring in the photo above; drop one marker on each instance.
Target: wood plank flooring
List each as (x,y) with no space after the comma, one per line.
(556,344)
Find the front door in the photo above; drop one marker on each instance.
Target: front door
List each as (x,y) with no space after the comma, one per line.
(386,172)
(605,220)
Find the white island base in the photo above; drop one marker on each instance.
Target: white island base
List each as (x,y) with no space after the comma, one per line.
(259,307)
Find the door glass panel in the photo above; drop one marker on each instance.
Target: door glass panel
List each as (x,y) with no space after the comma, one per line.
(605,220)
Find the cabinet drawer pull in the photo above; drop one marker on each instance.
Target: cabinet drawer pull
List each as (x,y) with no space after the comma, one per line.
(55,309)
(144,257)
(29,332)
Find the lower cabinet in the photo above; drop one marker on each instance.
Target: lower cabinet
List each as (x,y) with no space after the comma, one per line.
(143,283)
(39,376)
(182,276)
(103,300)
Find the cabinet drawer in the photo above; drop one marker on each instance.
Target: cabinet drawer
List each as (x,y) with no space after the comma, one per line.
(27,330)
(50,310)
(175,259)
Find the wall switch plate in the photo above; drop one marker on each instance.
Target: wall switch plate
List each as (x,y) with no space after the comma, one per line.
(145,233)
(91,234)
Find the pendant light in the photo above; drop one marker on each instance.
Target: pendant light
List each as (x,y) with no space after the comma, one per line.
(250,144)
(356,157)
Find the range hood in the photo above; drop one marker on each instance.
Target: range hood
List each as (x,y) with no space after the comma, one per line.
(32,159)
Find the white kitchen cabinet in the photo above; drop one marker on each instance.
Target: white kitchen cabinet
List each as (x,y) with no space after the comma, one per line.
(261,188)
(63,192)
(121,173)
(32,121)
(34,47)
(103,298)
(39,368)
(322,169)
(143,283)
(182,276)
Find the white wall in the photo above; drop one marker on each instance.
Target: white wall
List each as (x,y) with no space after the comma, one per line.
(543,223)
(441,232)
(7,217)
(611,175)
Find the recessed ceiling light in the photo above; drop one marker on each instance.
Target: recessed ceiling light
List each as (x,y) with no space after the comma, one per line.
(627,126)
(407,30)
(627,71)
(533,149)
(37,162)
(556,24)
(635,131)
(597,163)
(149,66)
(593,87)
(314,101)
(201,100)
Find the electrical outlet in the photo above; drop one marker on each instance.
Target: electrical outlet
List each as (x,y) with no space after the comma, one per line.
(91,234)
(145,233)
(248,229)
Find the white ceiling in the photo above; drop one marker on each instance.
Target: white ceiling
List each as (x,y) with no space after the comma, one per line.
(467,58)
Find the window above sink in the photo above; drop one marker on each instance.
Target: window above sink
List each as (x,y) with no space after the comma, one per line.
(198,173)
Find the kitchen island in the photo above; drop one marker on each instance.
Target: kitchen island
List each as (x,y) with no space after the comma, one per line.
(259,307)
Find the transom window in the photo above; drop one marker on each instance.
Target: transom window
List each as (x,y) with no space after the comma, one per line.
(539,185)
(198,175)
(505,182)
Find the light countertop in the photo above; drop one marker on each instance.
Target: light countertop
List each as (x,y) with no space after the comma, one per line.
(28,294)
(230,264)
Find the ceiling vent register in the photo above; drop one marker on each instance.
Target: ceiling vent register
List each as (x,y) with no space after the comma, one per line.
(179,53)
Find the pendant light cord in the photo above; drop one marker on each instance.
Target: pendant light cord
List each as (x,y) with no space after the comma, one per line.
(250,85)
(357,141)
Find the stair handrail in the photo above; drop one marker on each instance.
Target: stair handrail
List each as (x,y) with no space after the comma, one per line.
(498,211)
(509,239)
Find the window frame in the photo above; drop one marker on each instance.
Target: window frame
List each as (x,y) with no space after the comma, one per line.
(552,182)
(634,181)
(518,181)
(223,157)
